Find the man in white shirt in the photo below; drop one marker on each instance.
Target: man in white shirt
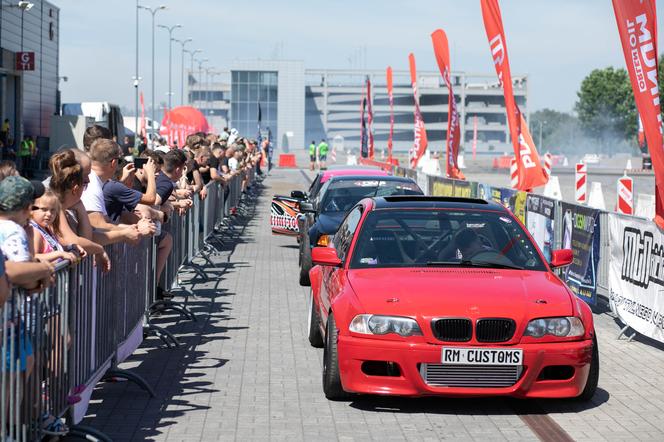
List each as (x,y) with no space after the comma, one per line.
(105,155)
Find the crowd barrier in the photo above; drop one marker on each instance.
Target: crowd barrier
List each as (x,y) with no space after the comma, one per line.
(618,259)
(59,343)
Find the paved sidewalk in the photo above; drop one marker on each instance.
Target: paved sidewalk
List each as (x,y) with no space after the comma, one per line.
(245,370)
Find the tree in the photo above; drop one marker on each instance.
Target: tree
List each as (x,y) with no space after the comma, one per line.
(560,131)
(606,107)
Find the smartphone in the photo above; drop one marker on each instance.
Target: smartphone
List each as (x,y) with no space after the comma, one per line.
(140,162)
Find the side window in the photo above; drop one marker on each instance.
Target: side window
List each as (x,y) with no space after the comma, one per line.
(344,235)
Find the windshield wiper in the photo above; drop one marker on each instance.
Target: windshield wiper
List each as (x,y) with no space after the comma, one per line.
(469,263)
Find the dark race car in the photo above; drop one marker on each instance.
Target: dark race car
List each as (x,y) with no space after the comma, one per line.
(322,215)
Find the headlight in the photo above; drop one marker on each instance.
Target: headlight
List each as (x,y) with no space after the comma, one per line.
(566,327)
(382,325)
(323,240)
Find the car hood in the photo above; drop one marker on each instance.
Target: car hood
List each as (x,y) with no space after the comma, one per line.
(328,223)
(461,292)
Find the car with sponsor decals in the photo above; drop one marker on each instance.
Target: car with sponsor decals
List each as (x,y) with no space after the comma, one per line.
(419,296)
(285,210)
(321,216)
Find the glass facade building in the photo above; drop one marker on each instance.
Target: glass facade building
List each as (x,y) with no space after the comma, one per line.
(249,89)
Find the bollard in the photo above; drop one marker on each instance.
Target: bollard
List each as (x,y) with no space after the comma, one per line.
(596,197)
(514,174)
(581,183)
(548,161)
(625,204)
(552,189)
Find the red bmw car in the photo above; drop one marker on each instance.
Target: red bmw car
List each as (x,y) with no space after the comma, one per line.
(421,296)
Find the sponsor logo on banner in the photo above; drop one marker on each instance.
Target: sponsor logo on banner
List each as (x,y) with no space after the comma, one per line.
(284,212)
(540,217)
(636,274)
(581,235)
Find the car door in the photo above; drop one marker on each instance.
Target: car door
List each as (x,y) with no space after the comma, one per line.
(333,278)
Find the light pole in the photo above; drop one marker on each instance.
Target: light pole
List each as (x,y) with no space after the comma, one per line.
(152,11)
(191,70)
(170,30)
(200,75)
(541,123)
(182,43)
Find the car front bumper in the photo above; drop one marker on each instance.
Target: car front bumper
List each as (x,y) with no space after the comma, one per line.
(354,351)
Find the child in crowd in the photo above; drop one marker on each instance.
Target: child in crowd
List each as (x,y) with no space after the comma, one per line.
(44,220)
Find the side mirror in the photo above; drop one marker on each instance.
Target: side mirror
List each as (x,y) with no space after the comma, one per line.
(298,194)
(306,206)
(325,256)
(561,258)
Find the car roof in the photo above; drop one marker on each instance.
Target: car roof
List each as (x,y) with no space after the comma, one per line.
(351,172)
(434,202)
(363,176)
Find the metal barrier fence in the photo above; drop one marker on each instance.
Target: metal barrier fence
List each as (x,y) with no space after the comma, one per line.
(59,343)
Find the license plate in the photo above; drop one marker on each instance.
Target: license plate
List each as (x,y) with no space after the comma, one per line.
(482,356)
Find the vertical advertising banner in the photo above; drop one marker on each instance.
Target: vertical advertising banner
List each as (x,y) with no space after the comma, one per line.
(531,173)
(517,204)
(637,26)
(370,120)
(442,51)
(540,219)
(636,274)
(420,134)
(581,235)
(390,97)
(364,147)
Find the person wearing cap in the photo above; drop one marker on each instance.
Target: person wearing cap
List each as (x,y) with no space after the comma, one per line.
(17,195)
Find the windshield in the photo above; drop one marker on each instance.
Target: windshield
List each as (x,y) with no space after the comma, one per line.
(342,195)
(445,238)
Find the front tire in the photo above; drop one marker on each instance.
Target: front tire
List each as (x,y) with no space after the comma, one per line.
(313,324)
(331,376)
(593,376)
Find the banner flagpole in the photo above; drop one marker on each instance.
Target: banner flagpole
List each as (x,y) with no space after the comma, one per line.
(420,133)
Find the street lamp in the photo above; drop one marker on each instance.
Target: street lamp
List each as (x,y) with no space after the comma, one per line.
(182,43)
(200,75)
(170,30)
(152,11)
(23,6)
(191,70)
(541,123)
(211,82)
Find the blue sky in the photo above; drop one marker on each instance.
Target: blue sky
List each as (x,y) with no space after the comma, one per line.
(556,42)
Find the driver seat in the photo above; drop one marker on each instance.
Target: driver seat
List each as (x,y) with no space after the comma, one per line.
(386,246)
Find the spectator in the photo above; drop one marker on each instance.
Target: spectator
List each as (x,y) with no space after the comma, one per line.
(174,162)
(94,133)
(26,152)
(68,181)
(45,211)
(7,168)
(312,155)
(16,197)
(119,199)
(105,155)
(323,148)
(234,161)
(4,133)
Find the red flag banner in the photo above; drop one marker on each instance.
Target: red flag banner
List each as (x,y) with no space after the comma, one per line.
(142,133)
(364,149)
(442,52)
(637,26)
(390,97)
(420,138)
(531,173)
(370,119)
